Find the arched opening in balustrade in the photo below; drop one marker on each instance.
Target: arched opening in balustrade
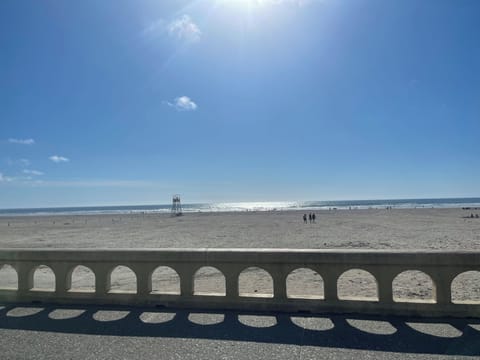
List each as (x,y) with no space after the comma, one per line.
(357,284)
(82,279)
(210,281)
(165,280)
(304,283)
(8,277)
(413,286)
(255,282)
(466,288)
(43,278)
(122,280)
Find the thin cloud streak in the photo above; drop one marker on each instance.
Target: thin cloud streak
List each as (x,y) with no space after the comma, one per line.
(32,172)
(12,180)
(58,159)
(24,162)
(184,29)
(18,162)
(21,141)
(155,27)
(94,183)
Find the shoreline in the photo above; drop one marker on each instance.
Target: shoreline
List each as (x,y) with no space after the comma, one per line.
(232,212)
(472,203)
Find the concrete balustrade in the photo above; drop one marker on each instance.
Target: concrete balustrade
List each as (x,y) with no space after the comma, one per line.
(384,266)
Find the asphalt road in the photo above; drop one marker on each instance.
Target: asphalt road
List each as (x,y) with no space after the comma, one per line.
(53,332)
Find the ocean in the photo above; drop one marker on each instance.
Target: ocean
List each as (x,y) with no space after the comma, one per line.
(253,206)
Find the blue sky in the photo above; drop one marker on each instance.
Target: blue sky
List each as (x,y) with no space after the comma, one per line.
(129,102)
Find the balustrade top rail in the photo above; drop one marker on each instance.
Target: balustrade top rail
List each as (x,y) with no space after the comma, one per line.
(258,256)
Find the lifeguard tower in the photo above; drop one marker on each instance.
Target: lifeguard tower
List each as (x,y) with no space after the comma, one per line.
(176,206)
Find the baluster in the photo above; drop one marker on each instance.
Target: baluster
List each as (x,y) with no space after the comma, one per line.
(384,276)
(279,275)
(186,279)
(61,281)
(25,277)
(102,278)
(442,281)
(231,274)
(330,276)
(144,279)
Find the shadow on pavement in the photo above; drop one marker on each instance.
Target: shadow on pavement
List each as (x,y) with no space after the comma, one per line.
(392,334)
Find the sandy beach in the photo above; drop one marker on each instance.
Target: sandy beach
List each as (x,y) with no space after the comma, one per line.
(375,229)
(445,229)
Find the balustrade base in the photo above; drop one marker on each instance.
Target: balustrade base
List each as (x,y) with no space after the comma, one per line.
(258,304)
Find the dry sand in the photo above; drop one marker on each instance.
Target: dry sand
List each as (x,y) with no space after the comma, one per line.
(448,229)
(376,229)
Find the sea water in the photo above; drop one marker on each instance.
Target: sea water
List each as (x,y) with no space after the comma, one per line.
(253,206)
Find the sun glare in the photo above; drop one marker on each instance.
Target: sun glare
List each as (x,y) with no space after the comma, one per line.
(250,3)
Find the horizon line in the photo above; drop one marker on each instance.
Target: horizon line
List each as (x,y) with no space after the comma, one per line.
(241,202)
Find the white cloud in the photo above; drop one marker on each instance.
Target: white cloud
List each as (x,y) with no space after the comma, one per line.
(32,172)
(21,141)
(183,28)
(58,159)
(183,103)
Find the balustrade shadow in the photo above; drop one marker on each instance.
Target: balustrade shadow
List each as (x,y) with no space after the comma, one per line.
(285,329)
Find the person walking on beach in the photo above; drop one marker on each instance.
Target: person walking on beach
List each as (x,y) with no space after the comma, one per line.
(310,217)
(304,218)
(313,217)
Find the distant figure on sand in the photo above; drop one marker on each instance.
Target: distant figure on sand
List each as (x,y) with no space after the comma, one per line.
(310,217)
(313,217)
(304,218)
